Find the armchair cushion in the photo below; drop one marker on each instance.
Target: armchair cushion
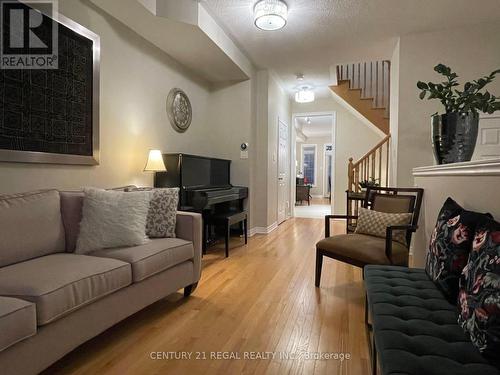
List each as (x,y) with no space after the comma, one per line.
(375,223)
(361,249)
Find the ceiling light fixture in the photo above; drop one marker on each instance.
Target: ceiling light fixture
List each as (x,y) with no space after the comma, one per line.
(304,95)
(270,15)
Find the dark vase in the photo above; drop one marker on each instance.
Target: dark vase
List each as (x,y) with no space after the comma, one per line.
(454,137)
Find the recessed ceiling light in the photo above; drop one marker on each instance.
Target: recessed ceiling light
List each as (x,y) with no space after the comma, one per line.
(270,15)
(304,95)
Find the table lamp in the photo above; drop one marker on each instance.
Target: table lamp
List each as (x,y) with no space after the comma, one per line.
(155,162)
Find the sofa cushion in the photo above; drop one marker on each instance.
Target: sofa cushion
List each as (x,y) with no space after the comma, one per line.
(71,212)
(450,245)
(479,294)
(61,283)
(31,226)
(17,321)
(112,219)
(415,328)
(151,258)
(162,213)
(363,249)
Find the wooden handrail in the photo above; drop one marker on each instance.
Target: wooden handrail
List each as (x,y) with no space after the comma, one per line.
(374,165)
(377,146)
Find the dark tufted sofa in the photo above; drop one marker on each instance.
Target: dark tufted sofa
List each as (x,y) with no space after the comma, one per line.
(415,329)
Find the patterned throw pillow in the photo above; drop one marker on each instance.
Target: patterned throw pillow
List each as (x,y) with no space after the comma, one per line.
(375,223)
(449,247)
(479,296)
(162,213)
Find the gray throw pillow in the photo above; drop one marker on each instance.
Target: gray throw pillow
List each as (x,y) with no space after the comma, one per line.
(112,219)
(162,213)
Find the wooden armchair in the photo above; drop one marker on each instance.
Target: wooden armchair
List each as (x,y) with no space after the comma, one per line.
(361,249)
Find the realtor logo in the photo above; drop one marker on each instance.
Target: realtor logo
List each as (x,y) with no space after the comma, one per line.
(29,34)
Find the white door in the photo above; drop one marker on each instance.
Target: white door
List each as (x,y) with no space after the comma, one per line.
(282,171)
(488,138)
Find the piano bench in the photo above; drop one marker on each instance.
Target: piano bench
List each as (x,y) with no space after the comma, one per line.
(228,219)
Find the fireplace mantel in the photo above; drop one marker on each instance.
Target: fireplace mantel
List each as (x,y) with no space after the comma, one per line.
(486,167)
(475,185)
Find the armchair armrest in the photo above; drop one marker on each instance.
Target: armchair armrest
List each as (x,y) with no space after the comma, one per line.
(327,221)
(388,236)
(189,228)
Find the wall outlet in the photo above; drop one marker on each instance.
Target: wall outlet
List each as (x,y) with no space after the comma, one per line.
(243,154)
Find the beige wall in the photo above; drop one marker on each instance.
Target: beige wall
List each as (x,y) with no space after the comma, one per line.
(472,52)
(353,138)
(320,142)
(476,192)
(135,80)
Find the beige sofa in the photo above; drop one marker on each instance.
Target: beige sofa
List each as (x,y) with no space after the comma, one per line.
(52,300)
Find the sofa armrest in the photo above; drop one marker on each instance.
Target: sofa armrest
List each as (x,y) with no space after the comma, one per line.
(189,227)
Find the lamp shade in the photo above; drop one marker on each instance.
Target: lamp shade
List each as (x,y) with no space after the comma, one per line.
(155,162)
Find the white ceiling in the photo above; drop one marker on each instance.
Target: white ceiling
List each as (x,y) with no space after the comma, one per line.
(323,33)
(320,126)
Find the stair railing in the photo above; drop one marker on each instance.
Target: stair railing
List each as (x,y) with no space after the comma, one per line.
(374,165)
(372,78)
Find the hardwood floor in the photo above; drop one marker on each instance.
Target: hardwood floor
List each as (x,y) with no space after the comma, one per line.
(260,299)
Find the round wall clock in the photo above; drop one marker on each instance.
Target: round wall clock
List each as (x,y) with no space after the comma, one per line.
(179,110)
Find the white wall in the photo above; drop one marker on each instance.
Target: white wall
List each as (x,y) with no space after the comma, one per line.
(472,52)
(135,80)
(320,142)
(272,104)
(353,138)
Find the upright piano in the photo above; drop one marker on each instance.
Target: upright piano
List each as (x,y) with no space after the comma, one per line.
(204,185)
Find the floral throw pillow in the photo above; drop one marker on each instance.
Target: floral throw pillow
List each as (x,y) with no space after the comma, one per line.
(479,296)
(162,213)
(449,247)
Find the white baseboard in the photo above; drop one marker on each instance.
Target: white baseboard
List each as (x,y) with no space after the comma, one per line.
(262,230)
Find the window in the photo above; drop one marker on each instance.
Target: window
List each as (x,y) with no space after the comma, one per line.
(309,164)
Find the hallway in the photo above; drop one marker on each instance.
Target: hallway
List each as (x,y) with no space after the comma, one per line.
(317,210)
(260,299)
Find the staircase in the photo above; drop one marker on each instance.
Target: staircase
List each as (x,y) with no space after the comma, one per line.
(365,87)
(374,165)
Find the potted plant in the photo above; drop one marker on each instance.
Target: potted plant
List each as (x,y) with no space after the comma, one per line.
(364,184)
(454,133)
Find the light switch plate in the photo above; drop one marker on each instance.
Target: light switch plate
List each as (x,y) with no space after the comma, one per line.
(243,154)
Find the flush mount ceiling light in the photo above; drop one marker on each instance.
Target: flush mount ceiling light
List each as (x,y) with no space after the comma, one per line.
(304,95)
(270,14)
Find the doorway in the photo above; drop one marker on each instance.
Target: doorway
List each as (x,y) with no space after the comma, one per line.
(313,146)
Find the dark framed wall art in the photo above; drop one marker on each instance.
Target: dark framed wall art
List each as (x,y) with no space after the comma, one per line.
(51,115)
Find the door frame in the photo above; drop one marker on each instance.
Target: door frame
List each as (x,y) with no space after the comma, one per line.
(325,180)
(287,173)
(293,151)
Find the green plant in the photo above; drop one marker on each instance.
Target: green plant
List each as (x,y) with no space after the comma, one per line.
(372,182)
(470,99)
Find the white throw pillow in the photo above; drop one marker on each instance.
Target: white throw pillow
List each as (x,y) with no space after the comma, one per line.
(112,219)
